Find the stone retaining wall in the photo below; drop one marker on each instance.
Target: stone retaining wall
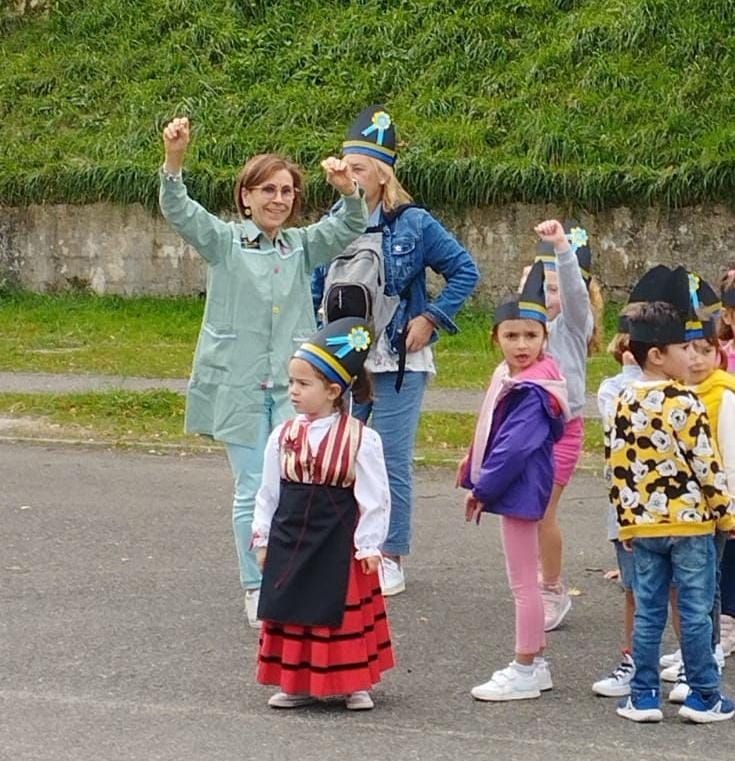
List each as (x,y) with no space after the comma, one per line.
(127,250)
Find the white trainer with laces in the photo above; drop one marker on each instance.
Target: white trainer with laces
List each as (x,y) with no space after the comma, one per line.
(289,700)
(670,673)
(508,684)
(671,659)
(252,598)
(557,603)
(359,701)
(617,684)
(392,578)
(719,656)
(680,691)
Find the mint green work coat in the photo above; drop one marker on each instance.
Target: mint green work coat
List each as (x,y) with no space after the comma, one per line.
(258,307)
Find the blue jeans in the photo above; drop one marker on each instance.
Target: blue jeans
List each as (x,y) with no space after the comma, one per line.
(626,565)
(395,416)
(688,562)
(246,464)
(720,542)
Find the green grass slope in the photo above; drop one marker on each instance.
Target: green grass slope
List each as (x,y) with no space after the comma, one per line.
(586,102)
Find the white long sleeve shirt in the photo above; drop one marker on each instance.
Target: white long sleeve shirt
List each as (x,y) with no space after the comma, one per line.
(607,399)
(370,488)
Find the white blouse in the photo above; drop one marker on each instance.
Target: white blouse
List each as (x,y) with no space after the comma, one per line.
(370,488)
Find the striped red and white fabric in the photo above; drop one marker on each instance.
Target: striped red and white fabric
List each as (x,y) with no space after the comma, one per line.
(333,464)
(324,661)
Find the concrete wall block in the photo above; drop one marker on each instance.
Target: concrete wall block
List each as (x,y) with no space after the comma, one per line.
(127,250)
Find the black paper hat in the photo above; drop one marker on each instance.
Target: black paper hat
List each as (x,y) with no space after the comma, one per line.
(700,322)
(372,134)
(656,285)
(709,301)
(727,293)
(579,243)
(728,296)
(338,350)
(529,304)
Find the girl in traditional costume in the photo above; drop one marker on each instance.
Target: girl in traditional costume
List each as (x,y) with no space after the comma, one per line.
(321,516)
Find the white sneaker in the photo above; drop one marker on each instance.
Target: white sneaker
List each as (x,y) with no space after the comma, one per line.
(720,656)
(670,673)
(671,659)
(543,675)
(288,700)
(392,579)
(359,701)
(680,691)
(252,597)
(617,684)
(508,684)
(557,603)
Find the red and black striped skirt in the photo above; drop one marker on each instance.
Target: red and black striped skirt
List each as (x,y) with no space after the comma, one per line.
(323,661)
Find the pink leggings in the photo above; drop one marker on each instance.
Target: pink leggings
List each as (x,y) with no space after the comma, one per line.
(520,543)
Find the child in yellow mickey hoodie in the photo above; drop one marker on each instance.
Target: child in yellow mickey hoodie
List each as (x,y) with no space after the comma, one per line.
(668,488)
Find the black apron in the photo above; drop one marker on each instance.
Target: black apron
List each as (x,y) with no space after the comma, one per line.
(309,554)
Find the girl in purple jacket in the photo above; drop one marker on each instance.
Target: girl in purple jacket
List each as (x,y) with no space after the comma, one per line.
(510,472)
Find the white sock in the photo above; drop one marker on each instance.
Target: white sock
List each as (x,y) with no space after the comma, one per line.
(539,660)
(522,668)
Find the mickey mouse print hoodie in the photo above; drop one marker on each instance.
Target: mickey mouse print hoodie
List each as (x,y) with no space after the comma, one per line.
(663,469)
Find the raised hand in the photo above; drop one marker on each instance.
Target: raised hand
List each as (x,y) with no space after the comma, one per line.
(176,135)
(339,175)
(552,231)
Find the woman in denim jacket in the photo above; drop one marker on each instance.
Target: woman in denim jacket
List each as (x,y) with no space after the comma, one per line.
(412,241)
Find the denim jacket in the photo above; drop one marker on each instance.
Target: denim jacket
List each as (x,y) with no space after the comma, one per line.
(412,241)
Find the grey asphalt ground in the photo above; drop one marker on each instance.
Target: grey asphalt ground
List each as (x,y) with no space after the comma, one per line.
(436,398)
(122,635)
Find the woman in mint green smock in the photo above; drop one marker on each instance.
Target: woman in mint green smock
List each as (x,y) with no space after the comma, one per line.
(257,312)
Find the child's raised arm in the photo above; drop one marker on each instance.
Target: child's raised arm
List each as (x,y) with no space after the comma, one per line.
(573,294)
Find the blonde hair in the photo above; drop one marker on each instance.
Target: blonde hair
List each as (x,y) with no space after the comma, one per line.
(620,342)
(394,194)
(597,305)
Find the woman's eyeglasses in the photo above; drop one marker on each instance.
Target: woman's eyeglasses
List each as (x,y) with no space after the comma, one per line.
(270,191)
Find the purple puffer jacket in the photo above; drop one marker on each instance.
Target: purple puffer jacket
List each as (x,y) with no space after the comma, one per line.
(517,472)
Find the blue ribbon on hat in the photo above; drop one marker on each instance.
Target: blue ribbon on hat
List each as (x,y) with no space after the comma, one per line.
(358,339)
(380,123)
(577,238)
(693,290)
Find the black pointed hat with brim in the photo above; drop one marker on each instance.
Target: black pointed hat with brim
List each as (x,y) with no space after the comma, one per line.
(338,350)
(703,307)
(682,289)
(727,295)
(372,134)
(529,304)
(661,284)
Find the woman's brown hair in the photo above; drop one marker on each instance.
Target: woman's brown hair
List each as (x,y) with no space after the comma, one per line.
(258,170)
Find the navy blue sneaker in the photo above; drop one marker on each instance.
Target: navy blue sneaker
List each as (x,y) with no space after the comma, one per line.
(641,706)
(705,710)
